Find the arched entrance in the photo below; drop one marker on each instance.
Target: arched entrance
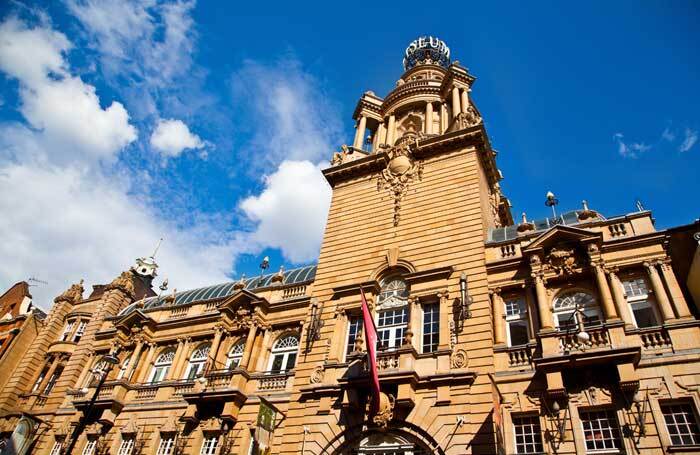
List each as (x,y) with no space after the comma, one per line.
(406,439)
(387,444)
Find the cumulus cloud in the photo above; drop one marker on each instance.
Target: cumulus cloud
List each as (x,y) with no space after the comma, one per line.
(690,137)
(64,111)
(629,150)
(171,137)
(291,211)
(73,214)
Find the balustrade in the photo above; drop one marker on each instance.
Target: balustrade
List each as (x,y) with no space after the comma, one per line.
(179,312)
(271,382)
(388,361)
(598,338)
(655,339)
(146,393)
(520,356)
(294,291)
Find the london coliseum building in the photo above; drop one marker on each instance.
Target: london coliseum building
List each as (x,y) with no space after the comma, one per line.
(573,334)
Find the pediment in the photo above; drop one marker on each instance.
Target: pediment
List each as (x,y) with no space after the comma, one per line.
(134,318)
(243,302)
(562,234)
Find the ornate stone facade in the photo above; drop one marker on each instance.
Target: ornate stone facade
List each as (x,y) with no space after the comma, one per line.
(491,333)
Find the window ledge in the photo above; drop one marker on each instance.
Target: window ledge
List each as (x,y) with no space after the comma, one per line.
(683,448)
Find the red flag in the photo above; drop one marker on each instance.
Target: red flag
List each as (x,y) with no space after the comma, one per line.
(371,339)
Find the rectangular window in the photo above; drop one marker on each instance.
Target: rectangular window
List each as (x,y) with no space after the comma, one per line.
(209,445)
(431,327)
(516,320)
(391,325)
(57,448)
(123,368)
(354,327)
(681,423)
(601,431)
(67,330)
(643,309)
(40,378)
(528,437)
(165,447)
(89,448)
(52,380)
(80,331)
(126,447)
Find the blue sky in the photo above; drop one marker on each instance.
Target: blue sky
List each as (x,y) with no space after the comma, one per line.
(207,123)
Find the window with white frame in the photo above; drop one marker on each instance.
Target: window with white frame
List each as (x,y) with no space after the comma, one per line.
(601,431)
(527,433)
(127,446)
(52,380)
(67,330)
(639,300)
(123,368)
(162,365)
(166,444)
(89,448)
(516,322)
(681,423)
(391,327)
(40,379)
(354,328)
(198,361)
(566,316)
(284,354)
(57,448)
(80,331)
(394,292)
(431,327)
(235,355)
(209,445)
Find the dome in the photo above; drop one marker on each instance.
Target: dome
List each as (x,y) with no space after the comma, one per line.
(426,49)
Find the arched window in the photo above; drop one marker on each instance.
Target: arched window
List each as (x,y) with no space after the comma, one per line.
(162,365)
(392,312)
(284,354)
(574,308)
(198,361)
(235,355)
(388,444)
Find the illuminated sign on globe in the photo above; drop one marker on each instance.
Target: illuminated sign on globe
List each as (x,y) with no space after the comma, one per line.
(426,49)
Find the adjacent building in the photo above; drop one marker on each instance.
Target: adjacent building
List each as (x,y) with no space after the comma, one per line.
(571,334)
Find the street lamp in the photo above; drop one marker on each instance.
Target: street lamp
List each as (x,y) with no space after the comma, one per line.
(551,202)
(110,360)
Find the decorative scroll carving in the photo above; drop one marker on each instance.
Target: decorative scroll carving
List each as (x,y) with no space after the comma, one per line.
(465,120)
(402,170)
(386,410)
(345,155)
(562,260)
(73,294)
(123,282)
(316,375)
(460,359)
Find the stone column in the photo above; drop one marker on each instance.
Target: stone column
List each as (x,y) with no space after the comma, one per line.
(52,370)
(674,289)
(381,134)
(134,359)
(249,342)
(264,345)
(619,297)
(147,364)
(178,353)
(498,320)
(375,140)
(604,290)
(415,323)
(428,118)
(465,99)
(659,292)
(391,133)
(444,340)
(543,303)
(533,317)
(177,366)
(443,118)
(214,350)
(455,101)
(360,133)
(86,370)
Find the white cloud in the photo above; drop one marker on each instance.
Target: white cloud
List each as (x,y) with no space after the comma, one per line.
(294,119)
(68,224)
(171,137)
(64,110)
(689,140)
(291,211)
(629,150)
(668,135)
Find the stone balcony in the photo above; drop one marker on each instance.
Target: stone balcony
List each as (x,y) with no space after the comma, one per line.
(61,347)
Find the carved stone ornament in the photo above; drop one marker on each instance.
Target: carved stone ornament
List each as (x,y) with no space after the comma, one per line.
(130,428)
(386,410)
(460,359)
(93,430)
(73,294)
(316,375)
(345,155)
(562,260)
(123,282)
(465,120)
(63,429)
(401,171)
